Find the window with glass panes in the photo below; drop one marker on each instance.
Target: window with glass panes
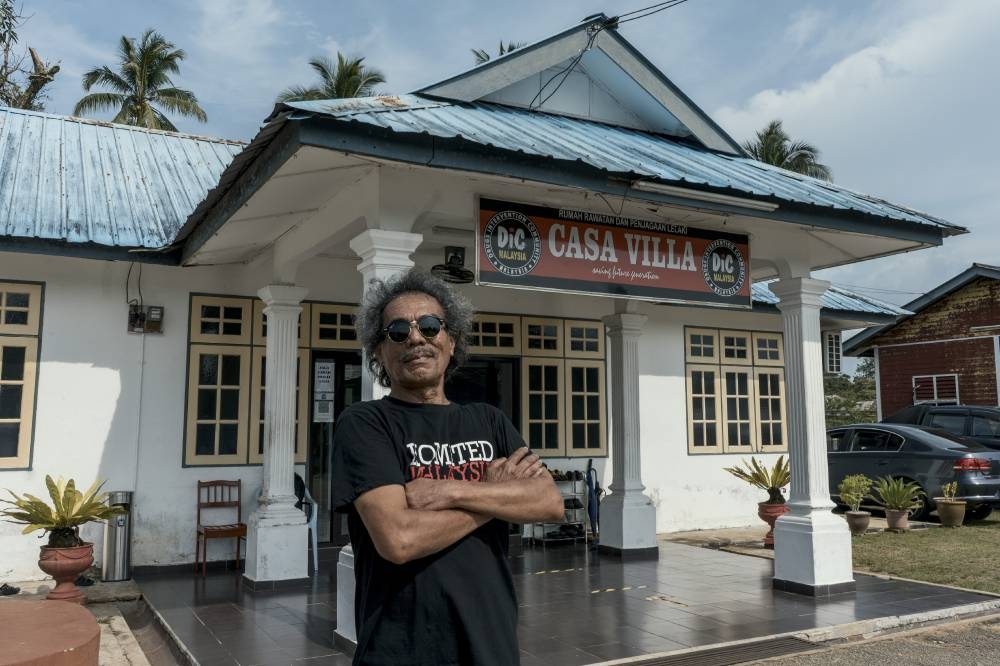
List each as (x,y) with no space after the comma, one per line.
(735,391)
(218,381)
(543,418)
(495,335)
(586,407)
(333,326)
(541,337)
(20,328)
(220,320)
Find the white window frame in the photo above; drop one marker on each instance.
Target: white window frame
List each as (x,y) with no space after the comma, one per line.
(750,349)
(527,350)
(34,309)
(761,422)
(527,362)
(569,325)
(728,445)
(937,399)
(716,344)
(832,353)
(762,336)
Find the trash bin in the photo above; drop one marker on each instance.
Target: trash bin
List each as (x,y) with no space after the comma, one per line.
(117,564)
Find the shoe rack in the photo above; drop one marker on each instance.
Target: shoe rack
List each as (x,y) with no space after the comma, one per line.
(573,527)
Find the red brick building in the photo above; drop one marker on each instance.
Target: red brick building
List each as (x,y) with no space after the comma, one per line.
(946,352)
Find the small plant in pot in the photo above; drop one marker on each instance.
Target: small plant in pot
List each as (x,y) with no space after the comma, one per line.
(771,480)
(951,511)
(65,556)
(853,490)
(899,497)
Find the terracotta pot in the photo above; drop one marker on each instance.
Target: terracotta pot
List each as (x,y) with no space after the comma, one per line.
(65,565)
(951,512)
(858,521)
(770,513)
(897,521)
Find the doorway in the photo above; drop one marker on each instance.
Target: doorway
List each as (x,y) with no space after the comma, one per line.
(336,384)
(493,380)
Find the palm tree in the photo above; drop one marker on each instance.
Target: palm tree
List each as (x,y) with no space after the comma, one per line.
(482,56)
(349,77)
(774,146)
(142,80)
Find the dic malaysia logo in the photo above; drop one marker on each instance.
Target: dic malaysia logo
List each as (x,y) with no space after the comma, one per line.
(512,243)
(723,267)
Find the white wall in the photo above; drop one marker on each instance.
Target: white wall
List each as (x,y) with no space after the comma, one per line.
(89,423)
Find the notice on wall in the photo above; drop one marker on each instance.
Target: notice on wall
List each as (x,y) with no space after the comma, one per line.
(557,249)
(323,391)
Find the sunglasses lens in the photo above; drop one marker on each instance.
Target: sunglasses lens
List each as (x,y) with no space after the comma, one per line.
(398,330)
(429,326)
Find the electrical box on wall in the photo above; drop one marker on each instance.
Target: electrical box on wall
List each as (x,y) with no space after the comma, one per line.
(145,318)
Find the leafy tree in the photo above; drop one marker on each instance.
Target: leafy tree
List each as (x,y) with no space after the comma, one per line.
(482,56)
(349,77)
(851,399)
(141,84)
(774,146)
(20,87)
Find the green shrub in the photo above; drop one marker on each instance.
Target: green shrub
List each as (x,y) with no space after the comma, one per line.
(759,476)
(854,489)
(69,509)
(898,494)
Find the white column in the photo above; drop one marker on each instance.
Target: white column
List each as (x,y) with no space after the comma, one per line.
(812,546)
(277,533)
(384,254)
(628,517)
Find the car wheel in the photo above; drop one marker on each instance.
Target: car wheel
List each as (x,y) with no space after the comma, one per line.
(923,512)
(979,512)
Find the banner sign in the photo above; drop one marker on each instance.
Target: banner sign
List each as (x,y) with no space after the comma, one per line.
(534,247)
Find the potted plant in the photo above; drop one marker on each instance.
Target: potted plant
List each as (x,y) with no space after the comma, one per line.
(772,480)
(65,556)
(951,511)
(899,497)
(853,490)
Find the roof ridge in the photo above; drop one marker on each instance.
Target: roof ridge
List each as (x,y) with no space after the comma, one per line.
(105,123)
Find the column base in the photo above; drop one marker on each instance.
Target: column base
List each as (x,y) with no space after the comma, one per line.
(814,590)
(628,522)
(628,554)
(812,552)
(277,546)
(345,633)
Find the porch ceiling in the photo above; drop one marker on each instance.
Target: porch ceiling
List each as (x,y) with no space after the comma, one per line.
(336,195)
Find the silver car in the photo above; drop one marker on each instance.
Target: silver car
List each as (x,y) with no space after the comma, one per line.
(931,457)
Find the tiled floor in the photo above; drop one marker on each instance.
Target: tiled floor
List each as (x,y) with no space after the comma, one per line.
(575,607)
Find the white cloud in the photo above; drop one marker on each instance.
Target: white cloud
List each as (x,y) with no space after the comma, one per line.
(805,26)
(909,118)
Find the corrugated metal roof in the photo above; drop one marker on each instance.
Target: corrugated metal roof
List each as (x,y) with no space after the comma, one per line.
(83,181)
(835,298)
(610,148)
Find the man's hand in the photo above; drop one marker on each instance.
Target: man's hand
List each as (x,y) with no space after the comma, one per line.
(428,494)
(522,464)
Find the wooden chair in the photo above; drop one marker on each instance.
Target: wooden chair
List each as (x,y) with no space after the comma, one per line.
(218,495)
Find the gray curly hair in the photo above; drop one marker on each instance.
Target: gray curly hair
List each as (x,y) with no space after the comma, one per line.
(368,322)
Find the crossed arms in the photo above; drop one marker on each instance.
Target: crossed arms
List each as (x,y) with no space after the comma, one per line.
(425,516)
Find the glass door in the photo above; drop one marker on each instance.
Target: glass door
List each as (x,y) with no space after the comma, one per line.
(336,384)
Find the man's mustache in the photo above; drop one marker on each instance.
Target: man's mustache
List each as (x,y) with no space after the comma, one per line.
(419,352)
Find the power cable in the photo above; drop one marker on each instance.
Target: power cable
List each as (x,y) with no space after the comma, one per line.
(636,11)
(666,5)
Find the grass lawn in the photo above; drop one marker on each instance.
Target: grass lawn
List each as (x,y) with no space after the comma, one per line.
(964,556)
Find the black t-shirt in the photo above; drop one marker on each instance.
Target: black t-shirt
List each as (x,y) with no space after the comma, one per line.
(456,606)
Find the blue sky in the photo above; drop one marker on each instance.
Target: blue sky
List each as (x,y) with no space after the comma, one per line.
(898,95)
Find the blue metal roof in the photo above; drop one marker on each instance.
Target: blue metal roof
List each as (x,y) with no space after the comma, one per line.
(835,299)
(82,181)
(610,148)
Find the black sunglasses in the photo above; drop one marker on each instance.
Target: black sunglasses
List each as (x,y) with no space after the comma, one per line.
(429,326)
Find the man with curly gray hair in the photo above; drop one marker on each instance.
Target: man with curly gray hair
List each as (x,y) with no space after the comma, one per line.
(429,487)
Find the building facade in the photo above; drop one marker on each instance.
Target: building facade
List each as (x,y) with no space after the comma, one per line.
(242,272)
(946,352)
